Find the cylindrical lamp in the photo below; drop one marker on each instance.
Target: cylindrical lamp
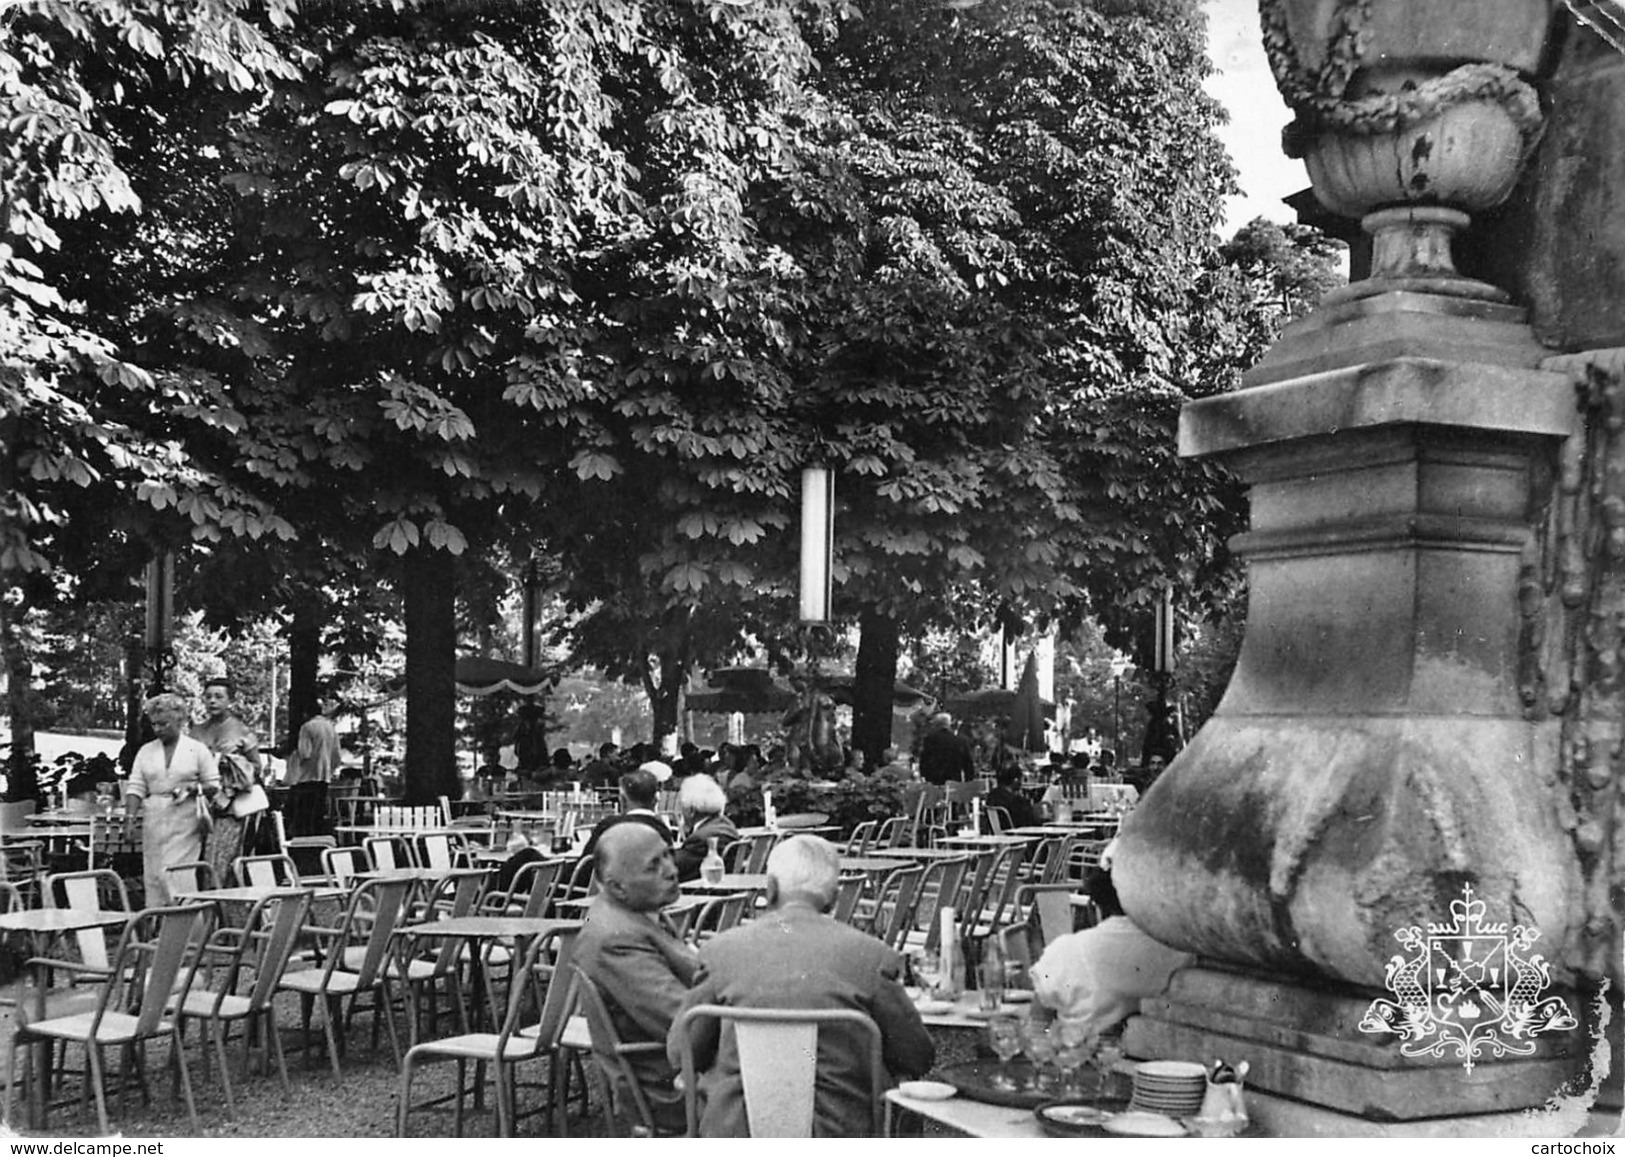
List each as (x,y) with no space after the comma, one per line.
(817,542)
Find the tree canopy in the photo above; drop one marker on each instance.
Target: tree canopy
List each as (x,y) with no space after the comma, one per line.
(591,282)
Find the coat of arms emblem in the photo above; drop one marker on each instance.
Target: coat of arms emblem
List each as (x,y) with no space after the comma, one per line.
(1468,986)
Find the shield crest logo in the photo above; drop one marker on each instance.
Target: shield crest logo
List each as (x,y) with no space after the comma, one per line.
(1467,978)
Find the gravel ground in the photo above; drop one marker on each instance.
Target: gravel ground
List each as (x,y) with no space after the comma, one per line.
(363,1103)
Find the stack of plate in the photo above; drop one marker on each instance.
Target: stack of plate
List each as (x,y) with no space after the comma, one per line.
(1171,1088)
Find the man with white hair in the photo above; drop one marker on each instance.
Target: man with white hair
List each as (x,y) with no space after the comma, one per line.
(797,956)
(701,801)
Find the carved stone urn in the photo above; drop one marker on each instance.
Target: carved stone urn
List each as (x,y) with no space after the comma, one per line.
(1420,105)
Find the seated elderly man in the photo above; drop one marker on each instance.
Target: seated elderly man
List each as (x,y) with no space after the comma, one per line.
(796,956)
(701,800)
(629,950)
(1102,973)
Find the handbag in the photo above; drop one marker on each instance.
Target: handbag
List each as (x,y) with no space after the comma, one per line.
(205,818)
(250,802)
(240,792)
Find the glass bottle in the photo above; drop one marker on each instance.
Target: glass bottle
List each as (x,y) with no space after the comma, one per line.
(712,868)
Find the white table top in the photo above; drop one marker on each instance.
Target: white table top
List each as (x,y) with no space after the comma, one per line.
(973,1118)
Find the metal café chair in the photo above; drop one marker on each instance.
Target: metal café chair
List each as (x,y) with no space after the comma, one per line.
(778,1056)
(369,921)
(537,985)
(263,945)
(154,961)
(613,1057)
(278,871)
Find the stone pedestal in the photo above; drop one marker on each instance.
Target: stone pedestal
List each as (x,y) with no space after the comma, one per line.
(1303,1041)
(1370,758)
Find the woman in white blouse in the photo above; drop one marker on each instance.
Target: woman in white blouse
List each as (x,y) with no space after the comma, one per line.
(169,775)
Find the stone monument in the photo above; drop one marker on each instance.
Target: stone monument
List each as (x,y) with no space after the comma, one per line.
(1417,756)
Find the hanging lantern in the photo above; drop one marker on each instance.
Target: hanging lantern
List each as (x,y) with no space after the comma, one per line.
(817,542)
(160,601)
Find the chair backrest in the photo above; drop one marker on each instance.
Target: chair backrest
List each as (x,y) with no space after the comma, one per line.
(279,830)
(382,851)
(342,864)
(376,910)
(939,889)
(11,899)
(14,816)
(443,807)
(997,889)
(440,850)
(718,914)
(154,964)
(736,855)
(279,920)
(778,1059)
(847,895)
(458,893)
(581,879)
(552,986)
(862,837)
(895,907)
(608,1049)
(92,890)
(534,886)
(1047,862)
(998,819)
(276,871)
(760,846)
(194,876)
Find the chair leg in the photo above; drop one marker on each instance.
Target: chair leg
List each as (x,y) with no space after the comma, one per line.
(462,1090)
(274,1043)
(388,997)
(186,1081)
(93,1058)
(225,1066)
(306,1004)
(328,1015)
(500,1077)
(406,1096)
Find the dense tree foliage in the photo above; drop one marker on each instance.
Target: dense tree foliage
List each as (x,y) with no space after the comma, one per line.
(591,282)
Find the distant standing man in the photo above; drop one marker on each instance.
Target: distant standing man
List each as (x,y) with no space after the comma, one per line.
(944,755)
(311,764)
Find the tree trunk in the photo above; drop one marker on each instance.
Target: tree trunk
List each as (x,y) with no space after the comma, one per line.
(874,684)
(304,653)
(665,696)
(428,580)
(136,728)
(21,768)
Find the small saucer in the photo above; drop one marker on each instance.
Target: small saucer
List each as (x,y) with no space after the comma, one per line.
(933,1007)
(927,1090)
(1138,1124)
(1018,995)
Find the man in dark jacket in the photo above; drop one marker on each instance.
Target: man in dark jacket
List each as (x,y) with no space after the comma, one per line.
(944,755)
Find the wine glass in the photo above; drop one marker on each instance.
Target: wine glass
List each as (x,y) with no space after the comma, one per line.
(1004,1034)
(1076,1045)
(1039,1046)
(927,967)
(1107,1055)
